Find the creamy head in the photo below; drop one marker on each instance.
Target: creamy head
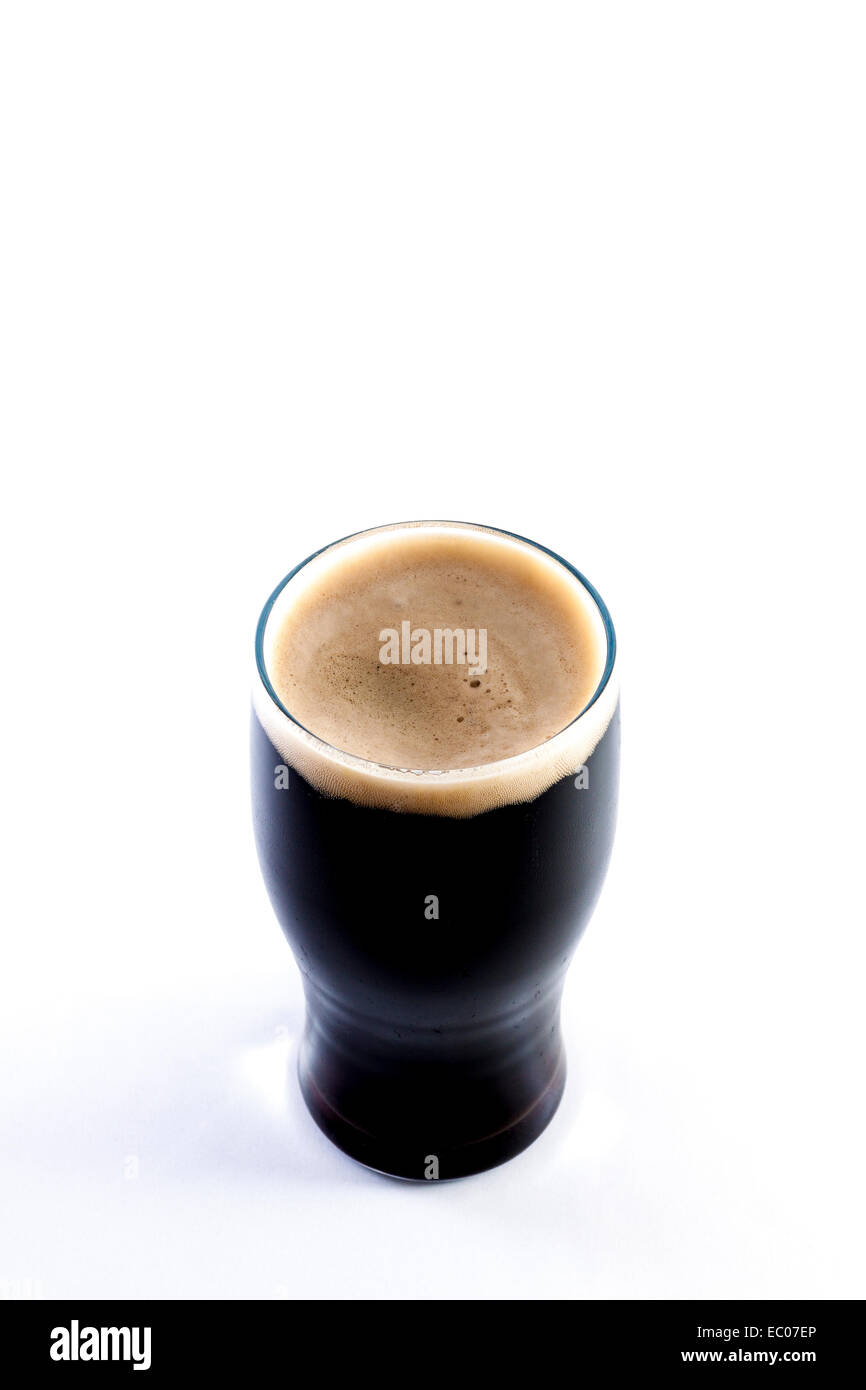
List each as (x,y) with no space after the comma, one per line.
(435,667)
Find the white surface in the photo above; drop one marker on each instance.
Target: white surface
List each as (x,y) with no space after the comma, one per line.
(272,273)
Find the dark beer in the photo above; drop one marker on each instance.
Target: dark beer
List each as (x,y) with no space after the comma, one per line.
(433,910)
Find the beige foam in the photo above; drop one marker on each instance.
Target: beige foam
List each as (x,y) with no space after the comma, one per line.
(436,739)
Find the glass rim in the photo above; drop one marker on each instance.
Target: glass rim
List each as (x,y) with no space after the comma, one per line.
(601,607)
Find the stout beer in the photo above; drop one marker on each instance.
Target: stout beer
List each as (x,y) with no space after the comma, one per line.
(435,752)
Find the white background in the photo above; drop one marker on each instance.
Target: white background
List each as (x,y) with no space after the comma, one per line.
(274,273)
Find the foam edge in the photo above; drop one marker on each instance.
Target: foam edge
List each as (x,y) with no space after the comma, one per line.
(459,793)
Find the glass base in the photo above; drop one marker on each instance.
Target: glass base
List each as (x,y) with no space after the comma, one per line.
(410,1157)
